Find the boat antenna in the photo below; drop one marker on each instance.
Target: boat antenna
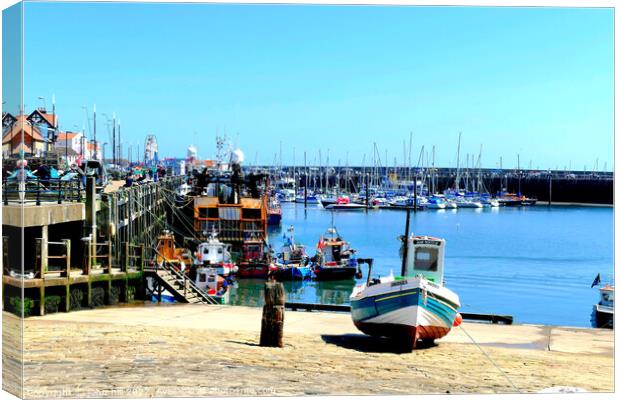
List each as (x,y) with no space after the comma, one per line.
(403,271)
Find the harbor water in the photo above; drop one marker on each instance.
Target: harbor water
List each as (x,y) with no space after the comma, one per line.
(534,263)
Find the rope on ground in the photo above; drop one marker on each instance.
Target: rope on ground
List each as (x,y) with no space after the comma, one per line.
(490,359)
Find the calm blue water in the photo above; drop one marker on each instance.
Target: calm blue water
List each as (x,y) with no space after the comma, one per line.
(534,263)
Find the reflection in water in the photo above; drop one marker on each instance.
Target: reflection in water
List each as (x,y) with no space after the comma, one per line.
(333,292)
(249,292)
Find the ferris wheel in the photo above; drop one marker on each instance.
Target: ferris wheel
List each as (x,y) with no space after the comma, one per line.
(150,150)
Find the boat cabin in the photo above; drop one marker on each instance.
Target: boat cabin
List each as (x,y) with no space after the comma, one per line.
(292,254)
(168,252)
(213,252)
(607,296)
(253,250)
(208,280)
(425,256)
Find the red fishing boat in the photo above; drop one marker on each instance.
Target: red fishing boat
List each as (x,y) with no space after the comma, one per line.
(255,260)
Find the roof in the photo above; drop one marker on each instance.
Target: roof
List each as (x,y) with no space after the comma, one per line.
(61,150)
(49,118)
(18,126)
(67,135)
(91,146)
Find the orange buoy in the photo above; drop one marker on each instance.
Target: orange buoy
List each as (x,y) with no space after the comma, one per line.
(457,320)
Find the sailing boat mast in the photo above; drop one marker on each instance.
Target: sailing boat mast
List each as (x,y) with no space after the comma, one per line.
(458,154)
(434,173)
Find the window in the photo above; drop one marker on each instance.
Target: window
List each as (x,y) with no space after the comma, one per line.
(219,251)
(426,259)
(202,277)
(206,251)
(251,213)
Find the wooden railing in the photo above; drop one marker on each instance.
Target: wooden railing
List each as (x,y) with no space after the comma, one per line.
(133,257)
(62,252)
(99,251)
(5,254)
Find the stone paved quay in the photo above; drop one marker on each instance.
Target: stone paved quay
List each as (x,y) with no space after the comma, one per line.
(197,350)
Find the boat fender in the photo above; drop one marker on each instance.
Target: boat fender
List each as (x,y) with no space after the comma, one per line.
(457,320)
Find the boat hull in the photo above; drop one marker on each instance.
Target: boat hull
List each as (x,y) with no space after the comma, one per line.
(274,218)
(253,270)
(334,273)
(288,273)
(346,207)
(409,312)
(602,317)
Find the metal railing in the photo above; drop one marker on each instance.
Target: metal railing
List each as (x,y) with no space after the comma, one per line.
(36,190)
(183,279)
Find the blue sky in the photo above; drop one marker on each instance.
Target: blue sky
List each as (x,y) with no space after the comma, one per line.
(537,82)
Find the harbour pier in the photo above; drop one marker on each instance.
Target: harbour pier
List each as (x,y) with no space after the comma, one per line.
(82,251)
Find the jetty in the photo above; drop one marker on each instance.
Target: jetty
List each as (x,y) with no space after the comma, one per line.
(86,249)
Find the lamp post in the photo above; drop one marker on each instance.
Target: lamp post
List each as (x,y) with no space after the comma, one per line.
(44,104)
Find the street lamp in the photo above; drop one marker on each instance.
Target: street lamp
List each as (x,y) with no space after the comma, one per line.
(103,150)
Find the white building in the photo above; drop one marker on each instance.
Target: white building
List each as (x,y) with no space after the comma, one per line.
(75,141)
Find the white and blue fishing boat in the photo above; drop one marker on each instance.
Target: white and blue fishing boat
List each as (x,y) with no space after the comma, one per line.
(413,307)
(292,262)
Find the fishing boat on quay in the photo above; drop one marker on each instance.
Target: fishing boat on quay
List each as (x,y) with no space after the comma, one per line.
(292,263)
(603,311)
(334,258)
(415,306)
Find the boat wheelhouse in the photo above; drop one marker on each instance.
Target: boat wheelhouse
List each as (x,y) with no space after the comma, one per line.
(603,312)
(215,254)
(255,259)
(212,283)
(334,259)
(292,262)
(167,252)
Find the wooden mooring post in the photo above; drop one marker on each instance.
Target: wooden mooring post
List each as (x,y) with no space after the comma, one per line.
(272,324)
